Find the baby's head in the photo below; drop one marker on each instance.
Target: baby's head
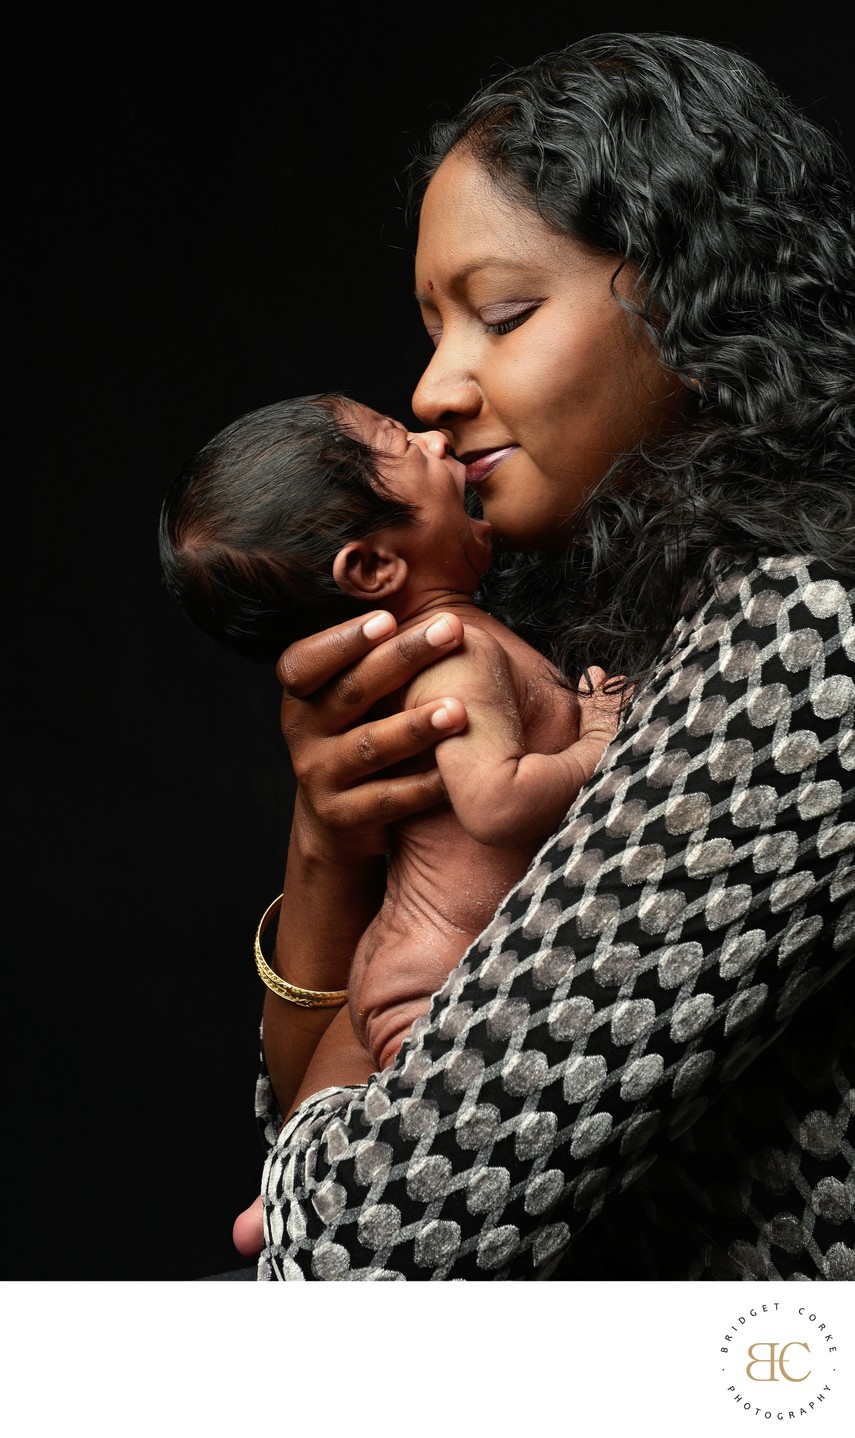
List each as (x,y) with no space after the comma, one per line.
(250,528)
(307,512)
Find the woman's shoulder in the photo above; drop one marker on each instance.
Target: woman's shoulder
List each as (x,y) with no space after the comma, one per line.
(786,622)
(820,582)
(780,591)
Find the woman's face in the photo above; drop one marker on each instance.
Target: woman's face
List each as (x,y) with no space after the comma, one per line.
(537,379)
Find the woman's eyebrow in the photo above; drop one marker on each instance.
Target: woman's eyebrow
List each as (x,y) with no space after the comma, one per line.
(484,262)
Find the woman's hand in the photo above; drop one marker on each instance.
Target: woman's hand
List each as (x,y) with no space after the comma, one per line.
(330,683)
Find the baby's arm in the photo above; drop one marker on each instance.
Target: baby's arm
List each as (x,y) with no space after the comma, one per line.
(501,794)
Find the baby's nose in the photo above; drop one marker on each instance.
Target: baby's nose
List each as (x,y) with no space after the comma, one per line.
(433,441)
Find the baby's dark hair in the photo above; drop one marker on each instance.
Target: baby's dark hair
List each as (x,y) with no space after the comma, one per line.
(250,527)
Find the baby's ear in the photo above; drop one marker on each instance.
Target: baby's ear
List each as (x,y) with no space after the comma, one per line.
(367,570)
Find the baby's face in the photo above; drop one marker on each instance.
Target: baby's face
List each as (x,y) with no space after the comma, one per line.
(418,467)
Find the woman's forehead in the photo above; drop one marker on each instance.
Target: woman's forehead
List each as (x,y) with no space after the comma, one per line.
(469,225)
(463,205)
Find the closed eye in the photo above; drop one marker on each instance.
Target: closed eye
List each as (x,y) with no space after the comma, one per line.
(512,322)
(391,437)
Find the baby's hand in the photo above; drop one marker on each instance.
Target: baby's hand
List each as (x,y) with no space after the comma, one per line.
(248,1230)
(599,716)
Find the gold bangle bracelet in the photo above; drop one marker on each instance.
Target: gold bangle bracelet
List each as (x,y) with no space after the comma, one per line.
(304,998)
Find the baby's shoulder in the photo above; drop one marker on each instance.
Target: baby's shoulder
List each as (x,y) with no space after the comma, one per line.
(481,662)
(486,636)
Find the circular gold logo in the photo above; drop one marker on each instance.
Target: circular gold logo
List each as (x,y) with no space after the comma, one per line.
(781,1360)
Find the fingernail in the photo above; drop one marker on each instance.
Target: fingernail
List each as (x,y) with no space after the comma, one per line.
(440,720)
(378,626)
(439,633)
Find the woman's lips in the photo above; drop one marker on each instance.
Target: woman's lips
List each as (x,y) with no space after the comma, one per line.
(480,463)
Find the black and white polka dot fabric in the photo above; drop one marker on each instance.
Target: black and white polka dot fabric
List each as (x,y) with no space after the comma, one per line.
(643,1067)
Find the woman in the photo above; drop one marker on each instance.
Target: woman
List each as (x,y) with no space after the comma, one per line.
(635,262)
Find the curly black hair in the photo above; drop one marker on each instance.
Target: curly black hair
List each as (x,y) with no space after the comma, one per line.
(737,214)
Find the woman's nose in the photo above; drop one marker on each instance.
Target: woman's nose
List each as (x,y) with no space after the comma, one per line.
(442,393)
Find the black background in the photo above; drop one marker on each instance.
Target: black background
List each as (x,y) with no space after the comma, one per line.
(201,217)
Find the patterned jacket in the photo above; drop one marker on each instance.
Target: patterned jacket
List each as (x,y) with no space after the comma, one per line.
(643,1068)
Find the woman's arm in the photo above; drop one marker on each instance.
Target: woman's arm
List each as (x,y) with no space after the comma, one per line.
(700,891)
(329,898)
(335,872)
